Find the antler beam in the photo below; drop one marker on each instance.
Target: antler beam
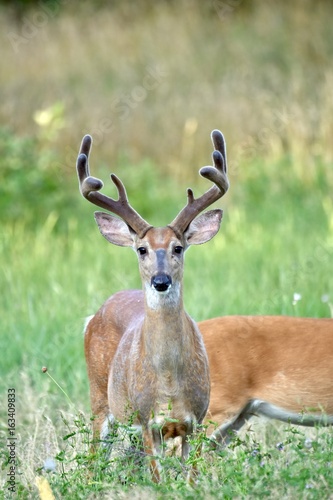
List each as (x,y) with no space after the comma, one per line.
(216,174)
(90,187)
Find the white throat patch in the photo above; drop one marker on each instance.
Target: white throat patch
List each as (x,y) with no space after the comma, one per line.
(157,300)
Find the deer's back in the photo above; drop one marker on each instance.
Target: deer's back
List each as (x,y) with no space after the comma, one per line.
(278,359)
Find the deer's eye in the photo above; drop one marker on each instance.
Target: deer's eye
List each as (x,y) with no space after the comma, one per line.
(178,250)
(142,250)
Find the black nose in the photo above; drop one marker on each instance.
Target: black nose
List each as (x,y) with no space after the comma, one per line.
(161,282)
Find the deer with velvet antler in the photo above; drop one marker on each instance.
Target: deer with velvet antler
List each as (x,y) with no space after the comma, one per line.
(145,355)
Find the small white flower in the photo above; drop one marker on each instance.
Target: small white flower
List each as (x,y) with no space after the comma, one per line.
(325,298)
(49,465)
(308,443)
(296,298)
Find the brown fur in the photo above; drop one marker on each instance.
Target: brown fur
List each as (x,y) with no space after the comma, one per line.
(285,361)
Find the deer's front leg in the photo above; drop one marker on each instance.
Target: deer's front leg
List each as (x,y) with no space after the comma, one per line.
(152,441)
(186,448)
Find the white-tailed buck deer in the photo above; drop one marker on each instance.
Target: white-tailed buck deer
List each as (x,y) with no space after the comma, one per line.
(145,355)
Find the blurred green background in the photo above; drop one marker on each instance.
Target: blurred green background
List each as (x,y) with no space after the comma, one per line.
(150,81)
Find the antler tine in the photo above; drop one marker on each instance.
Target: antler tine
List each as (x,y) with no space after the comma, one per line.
(216,174)
(90,187)
(86,182)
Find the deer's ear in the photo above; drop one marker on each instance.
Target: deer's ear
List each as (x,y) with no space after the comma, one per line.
(115,230)
(204,227)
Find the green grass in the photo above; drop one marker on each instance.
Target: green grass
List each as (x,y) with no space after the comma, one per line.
(271,96)
(265,252)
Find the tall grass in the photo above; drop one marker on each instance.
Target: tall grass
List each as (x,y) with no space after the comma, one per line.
(260,71)
(265,253)
(255,73)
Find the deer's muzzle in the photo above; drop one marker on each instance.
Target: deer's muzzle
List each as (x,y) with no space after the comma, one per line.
(161,282)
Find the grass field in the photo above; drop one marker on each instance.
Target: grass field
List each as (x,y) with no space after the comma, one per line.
(256,73)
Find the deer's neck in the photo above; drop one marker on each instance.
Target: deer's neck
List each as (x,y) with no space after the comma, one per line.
(167,329)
